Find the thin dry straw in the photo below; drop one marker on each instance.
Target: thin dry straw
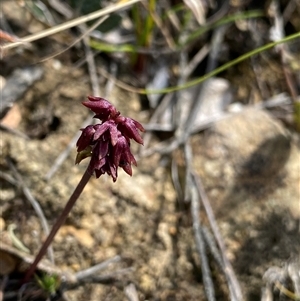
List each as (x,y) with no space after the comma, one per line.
(70,24)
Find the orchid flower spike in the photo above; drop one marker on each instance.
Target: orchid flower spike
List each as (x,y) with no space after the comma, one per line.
(108,143)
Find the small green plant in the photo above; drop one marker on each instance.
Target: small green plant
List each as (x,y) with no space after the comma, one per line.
(49,283)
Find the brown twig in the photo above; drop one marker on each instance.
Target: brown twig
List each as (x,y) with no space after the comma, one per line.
(131,293)
(65,153)
(164,30)
(200,244)
(278,33)
(2,286)
(96,268)
(85,32)
(233,282)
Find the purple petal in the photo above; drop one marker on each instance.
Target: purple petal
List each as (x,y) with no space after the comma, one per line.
(138,125)
(100,150)
(100,129)
(101,107)
(129,128)
(98,173)
(113,172)
(119,149)
(85,138)
(113,133)
(98,104)
(122,155)
(96,164)
(127,168)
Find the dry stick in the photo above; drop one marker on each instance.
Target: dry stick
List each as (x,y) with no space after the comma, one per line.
(283,50)
(61,219)
(172,17)
(117,82)
(171,144)
(96,268)
(13,131)
(90,58)
(36,206)
(211,243)
(160,25)
(217,256)
(217,39)
(91,67)
(200,244)
(289,9)
(154,118)
(108,277)
(61,8)
(214,226)
(110,84)
(196,60)
(64,154)
(255,64)
(84,34)
(131,293)
(179,119)
(164,104)
(3,285)
(157,127)
(8,178)
(176,181)
(206,273)
(182,119)
(70,24)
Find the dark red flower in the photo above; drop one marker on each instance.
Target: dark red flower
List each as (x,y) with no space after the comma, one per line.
(108,143)
(86,138)
(122,155)
(101,107)
(130,128)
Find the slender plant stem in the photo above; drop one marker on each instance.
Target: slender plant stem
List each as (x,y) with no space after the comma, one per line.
(61,219)
(221,68)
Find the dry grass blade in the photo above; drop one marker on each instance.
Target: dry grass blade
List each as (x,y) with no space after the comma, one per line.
(80,276)
(36,206)
(72,23)
(198,9)
(199,92)
(200,244)
(131,293)
(83,35)
(90,56)
(233,282)
(277,32)
(64,154)
(2,286)
(163,29)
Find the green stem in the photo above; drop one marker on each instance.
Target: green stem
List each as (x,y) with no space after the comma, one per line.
(59,222)
(223,67)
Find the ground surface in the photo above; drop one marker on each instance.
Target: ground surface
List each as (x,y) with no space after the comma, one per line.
(141,219)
